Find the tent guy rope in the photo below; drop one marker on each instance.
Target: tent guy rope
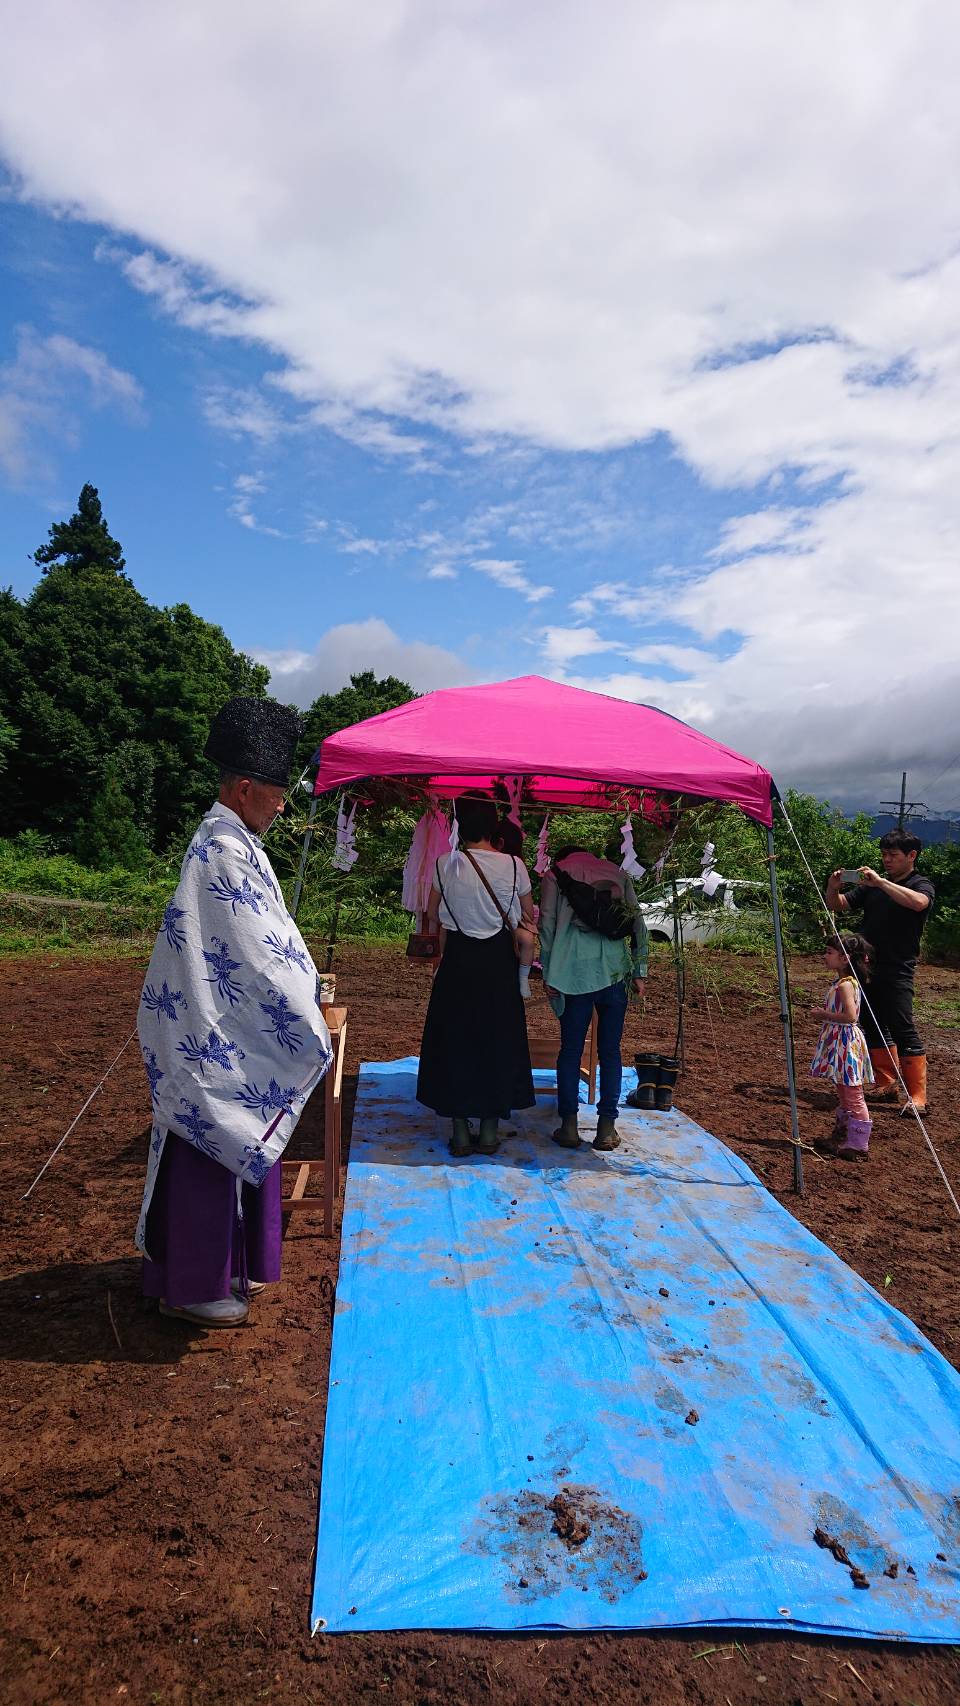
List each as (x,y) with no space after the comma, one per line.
(77,1117)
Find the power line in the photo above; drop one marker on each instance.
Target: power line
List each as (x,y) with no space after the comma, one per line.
(943,772)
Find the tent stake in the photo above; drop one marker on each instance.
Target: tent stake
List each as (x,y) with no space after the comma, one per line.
(308,837)
(785,1018)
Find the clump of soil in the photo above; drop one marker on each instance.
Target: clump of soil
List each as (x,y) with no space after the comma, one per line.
(573,1537)
(831,1544)
(568,1522)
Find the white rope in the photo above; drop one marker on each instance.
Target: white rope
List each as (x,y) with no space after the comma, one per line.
(831,917)
(79,1116)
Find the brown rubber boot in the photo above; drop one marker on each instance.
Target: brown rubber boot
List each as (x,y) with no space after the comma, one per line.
(914,1069)
(566,1133)
(885,1064)
(607,1136)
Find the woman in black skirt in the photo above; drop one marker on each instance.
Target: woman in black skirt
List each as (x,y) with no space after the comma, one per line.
(474,1058)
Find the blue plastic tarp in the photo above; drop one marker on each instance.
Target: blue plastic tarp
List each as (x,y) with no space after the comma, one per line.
(649,1335)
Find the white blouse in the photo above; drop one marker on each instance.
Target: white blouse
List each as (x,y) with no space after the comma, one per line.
(465,904)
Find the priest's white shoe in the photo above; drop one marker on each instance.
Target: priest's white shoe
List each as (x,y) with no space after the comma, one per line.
(254,1287)
(224,1312)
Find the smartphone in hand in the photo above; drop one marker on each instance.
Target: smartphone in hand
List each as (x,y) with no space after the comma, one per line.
(849,879)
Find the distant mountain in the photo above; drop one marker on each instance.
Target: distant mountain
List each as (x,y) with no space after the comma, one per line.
(930,829)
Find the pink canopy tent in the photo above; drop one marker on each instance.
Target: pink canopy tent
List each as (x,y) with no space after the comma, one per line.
(571,746)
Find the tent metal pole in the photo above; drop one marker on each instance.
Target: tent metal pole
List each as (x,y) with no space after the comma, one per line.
(785,1017)
(307,838)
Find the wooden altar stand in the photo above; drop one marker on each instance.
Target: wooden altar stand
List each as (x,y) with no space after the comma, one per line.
(299,1171)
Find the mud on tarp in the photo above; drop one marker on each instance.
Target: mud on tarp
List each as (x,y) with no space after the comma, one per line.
(618,1391)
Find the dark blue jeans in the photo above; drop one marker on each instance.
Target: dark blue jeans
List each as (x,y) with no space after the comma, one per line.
(611,1005)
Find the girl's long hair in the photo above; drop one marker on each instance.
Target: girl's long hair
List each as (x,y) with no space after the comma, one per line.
(857,950)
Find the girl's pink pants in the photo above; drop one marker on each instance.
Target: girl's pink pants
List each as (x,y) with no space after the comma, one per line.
(852,1101)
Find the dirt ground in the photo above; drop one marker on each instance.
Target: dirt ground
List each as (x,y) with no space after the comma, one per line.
(159,1484)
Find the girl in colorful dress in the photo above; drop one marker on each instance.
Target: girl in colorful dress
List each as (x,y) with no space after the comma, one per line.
(842,1054)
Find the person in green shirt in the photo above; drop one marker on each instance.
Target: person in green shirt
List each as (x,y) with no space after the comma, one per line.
(583,970)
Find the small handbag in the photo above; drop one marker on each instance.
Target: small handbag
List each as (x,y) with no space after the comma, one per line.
(421,946)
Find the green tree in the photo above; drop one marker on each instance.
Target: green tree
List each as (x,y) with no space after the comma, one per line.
(366,696)
(8,740)
(91,671)
(83,542)
(941,938)
(110,835)
(13,671)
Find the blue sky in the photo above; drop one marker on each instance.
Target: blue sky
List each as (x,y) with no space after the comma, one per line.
(465,344)
(279,539)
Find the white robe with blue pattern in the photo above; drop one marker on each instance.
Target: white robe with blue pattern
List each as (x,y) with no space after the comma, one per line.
(232,1034)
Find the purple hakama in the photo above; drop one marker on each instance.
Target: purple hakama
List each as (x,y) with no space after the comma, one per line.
(194,1234)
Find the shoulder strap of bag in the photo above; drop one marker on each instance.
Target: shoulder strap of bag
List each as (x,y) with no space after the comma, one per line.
(445,900)
(489,890)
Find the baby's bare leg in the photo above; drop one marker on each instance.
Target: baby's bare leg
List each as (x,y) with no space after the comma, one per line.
(525,945)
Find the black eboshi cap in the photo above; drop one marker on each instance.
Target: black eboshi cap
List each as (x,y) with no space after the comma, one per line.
(255,738)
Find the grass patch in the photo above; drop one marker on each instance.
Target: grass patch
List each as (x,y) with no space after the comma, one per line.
(943,1011)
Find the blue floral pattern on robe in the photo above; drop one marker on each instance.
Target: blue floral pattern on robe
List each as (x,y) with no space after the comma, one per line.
(282,1020)
(288,951)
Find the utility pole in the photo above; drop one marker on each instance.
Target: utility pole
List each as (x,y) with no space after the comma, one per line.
(903,807)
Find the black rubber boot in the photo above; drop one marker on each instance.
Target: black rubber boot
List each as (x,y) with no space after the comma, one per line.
(488,1142)
(666,1079)
(460,1140)
(607,1136)
(647,1066)
(566,1133)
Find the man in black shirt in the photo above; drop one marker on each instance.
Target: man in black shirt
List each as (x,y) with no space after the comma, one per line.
(895,909)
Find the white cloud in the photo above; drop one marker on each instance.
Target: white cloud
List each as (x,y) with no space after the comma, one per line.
(561,645)
(766,527)
(441,572)
(511,576)
(190,301)
(373,433)
(359,547)
(654,210)
(243,412)
(617,598)
(43,391)
(298,676)
(245,488)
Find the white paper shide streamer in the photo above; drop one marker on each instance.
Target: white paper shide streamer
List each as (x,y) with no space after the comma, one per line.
(629,862)
(708,871)
(456,857)
(345,854)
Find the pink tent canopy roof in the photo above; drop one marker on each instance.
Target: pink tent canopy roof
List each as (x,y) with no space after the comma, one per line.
(567,742)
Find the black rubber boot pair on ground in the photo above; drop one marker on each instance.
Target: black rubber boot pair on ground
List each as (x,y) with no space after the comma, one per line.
(464,1142)
(656,1077)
